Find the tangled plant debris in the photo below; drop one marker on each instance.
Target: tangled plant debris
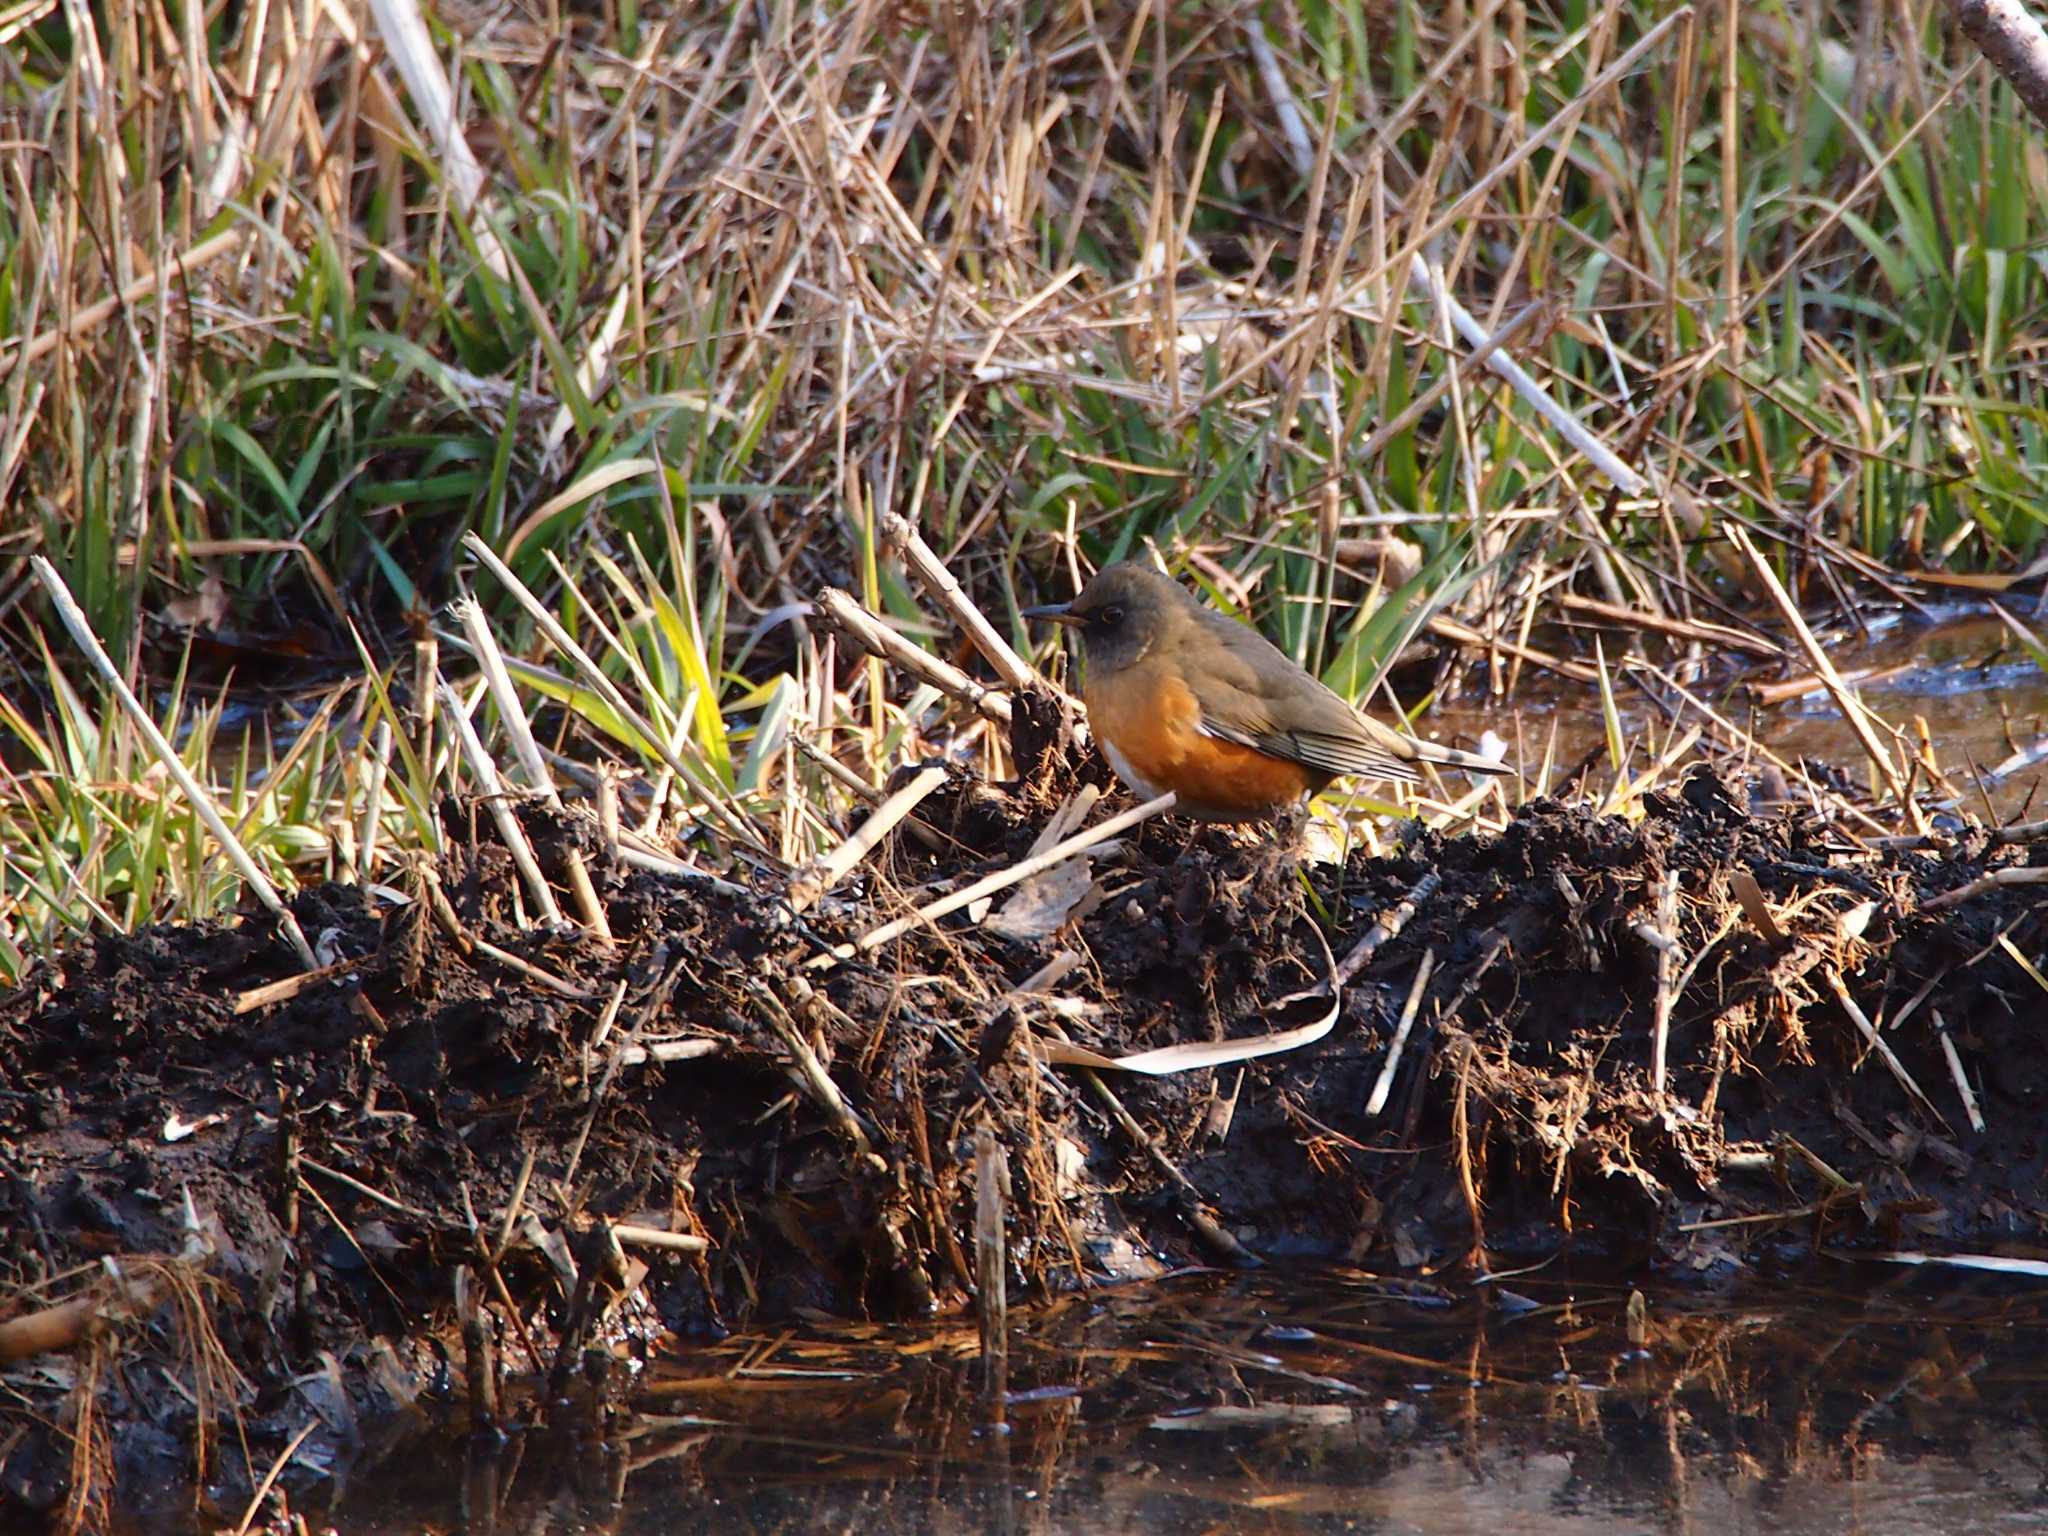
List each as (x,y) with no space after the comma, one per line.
(468,1146)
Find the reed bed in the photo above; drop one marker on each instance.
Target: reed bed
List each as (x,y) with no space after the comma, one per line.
(1590,343)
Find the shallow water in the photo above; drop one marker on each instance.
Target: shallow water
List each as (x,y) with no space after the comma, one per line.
(1982,698)
(1856,1399)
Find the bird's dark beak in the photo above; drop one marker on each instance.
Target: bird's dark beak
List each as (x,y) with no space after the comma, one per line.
(1058,613)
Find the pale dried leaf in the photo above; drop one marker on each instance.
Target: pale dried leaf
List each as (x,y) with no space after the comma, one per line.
(1041,905)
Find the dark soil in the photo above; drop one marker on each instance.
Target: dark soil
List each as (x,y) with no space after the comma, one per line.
(272,1214)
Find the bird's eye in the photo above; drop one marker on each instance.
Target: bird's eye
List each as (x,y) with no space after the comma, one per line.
(1110,617)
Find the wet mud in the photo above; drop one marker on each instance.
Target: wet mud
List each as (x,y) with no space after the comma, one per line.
(476,1150)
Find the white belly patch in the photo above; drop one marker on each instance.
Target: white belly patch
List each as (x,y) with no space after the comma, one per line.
(1139,785)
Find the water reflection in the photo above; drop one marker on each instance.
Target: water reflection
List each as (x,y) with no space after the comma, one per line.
(1982,699)
(1332,1402)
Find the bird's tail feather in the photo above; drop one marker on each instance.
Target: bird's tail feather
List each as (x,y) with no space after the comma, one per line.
(1451,757)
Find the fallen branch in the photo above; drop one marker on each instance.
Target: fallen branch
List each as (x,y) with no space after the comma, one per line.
(283,991)
(2007,35)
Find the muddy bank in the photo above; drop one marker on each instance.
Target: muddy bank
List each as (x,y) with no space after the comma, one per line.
(475,1148)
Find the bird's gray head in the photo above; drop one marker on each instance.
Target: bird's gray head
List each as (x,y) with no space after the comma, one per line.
(1122,615)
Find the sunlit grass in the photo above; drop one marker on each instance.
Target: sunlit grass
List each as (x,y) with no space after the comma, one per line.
(733,286)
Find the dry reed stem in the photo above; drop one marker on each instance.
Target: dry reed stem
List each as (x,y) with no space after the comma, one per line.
(1878,1044)
(1997,879)
(1956,1074)
(1386,926)
(1079,843)
(820,876)
(1852,708)
(606,689)
(84,321)
(512,718)
(74,620)
(497,802)
(1013,669)
(1382,1085)
(844,612)
(1667,962)
(991,1268)
(659,1237)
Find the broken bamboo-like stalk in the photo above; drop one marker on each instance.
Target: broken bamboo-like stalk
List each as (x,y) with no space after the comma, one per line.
(484,646)
(1383,1085)
(845,614)
(606,689)
(1667,965)
(1877,1043)
(925,563)
(494,794)
(991,1270)
(1387,925)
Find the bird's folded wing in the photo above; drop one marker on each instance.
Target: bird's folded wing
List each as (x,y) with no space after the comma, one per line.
(1318,750)
(1250,687)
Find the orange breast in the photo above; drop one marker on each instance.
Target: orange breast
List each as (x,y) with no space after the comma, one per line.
(1150,722)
